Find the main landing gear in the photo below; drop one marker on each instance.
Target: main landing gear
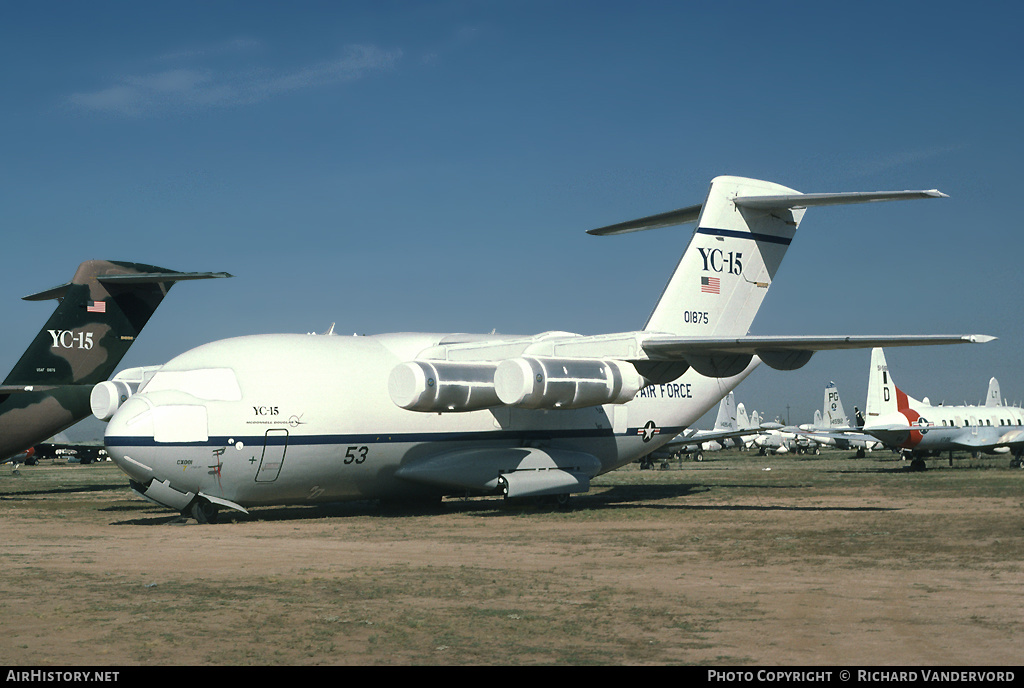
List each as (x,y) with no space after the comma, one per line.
(202,510)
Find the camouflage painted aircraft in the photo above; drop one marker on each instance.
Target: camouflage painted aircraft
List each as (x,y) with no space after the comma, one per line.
(100,313)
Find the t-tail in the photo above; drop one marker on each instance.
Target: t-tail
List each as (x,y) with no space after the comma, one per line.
(100,313)
(729,264)
(744,228)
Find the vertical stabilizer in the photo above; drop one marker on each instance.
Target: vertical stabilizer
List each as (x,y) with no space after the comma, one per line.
(99,314)
(744,228)
(833,414)
(742,421)
(884,397)
(994,397)
(726,413)
(729,264)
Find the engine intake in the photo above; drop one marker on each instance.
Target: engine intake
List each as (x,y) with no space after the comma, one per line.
(106,397)
(439,386)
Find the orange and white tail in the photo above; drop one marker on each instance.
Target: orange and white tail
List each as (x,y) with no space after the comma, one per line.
(884,397)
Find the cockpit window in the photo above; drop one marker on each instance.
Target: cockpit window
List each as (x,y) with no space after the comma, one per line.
(208,384)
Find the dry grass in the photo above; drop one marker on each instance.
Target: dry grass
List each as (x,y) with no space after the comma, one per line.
(817,561)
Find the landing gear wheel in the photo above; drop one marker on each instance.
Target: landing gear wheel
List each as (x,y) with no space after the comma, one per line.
(562,501)
(203,511)
(699,456)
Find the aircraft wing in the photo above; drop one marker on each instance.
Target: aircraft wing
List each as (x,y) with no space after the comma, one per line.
(723,357)
(701,436)
(987,438)
(853,435)
(564,370)
(663,347)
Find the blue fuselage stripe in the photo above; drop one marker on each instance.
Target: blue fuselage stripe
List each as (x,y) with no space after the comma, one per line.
(384,438)
(737,234)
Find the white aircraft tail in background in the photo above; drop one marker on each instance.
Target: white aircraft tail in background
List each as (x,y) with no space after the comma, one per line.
(993,398)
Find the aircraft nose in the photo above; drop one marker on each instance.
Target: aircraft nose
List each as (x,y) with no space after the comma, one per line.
(128,435)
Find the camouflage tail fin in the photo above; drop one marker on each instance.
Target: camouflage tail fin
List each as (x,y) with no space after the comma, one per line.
(101,312)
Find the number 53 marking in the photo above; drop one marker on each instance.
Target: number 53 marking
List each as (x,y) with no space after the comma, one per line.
(356,455)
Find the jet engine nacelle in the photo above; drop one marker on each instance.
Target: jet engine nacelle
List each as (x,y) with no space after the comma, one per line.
(564,383)
(106,397)
(440,386)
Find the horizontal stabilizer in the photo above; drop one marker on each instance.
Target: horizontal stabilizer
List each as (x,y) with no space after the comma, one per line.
(669,219)
(821,199)
(148,278)
(772,202)
(155,277)
(19,389)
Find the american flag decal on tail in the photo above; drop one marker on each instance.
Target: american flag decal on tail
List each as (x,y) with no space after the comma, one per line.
(96,307)
(710,285)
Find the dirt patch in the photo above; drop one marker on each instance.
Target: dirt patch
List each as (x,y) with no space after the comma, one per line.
(825,561)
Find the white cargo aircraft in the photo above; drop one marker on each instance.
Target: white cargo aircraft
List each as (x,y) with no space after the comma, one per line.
(919,429)
(293,418)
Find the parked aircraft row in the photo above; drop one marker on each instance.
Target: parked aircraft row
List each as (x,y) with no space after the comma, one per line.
(289,418)
(895,421)
(733,428)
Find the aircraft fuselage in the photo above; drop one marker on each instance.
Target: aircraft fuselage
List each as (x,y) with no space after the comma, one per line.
(931,429)
(275,419)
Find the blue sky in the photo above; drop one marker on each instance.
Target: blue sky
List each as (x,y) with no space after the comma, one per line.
(433,166)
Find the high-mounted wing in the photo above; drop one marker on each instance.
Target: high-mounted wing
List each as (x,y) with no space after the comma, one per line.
(722,357)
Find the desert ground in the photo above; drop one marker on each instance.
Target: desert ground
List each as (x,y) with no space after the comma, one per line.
(738,560)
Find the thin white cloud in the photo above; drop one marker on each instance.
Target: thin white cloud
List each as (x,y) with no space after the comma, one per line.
(233,46)
(191,89)
(901,159)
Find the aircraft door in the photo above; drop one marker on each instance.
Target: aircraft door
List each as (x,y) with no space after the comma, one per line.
(275,445)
